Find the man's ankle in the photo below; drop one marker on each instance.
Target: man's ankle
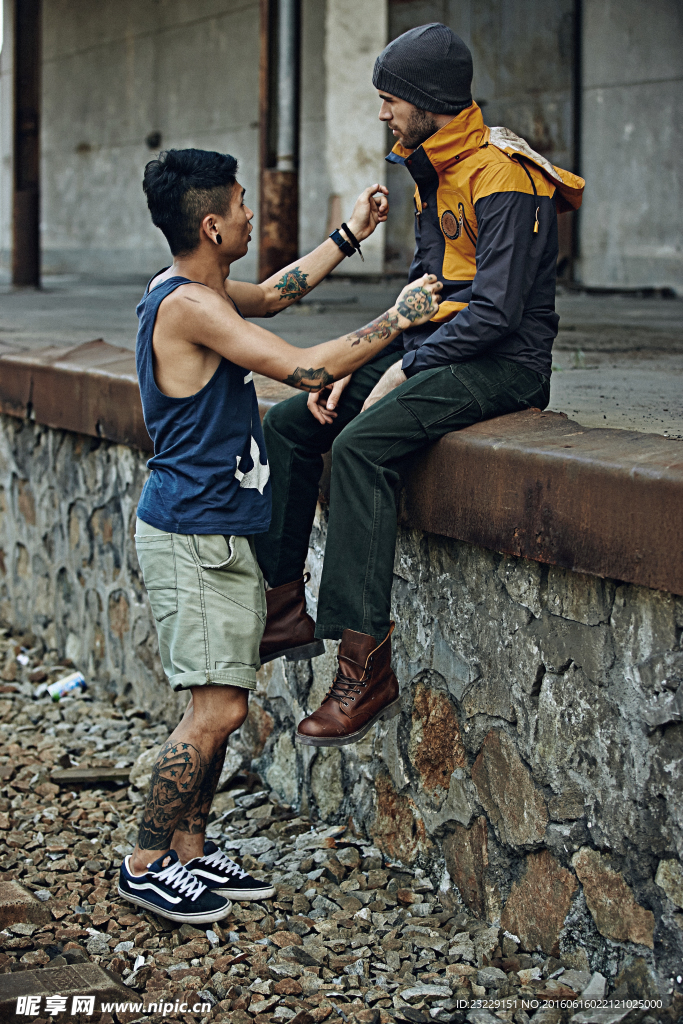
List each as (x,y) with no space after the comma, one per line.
(139,860)
(188,850)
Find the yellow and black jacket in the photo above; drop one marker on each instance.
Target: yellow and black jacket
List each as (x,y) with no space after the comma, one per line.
(486,224)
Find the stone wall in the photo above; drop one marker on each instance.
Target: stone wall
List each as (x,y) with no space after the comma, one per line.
(68,568)
(535,769)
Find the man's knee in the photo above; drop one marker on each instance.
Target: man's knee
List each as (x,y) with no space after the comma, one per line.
(349,443)
(220,710)
(284,419)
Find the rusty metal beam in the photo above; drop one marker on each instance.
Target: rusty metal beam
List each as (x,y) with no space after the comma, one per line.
(91,389)
(278,119)
(26,198)
(536,484)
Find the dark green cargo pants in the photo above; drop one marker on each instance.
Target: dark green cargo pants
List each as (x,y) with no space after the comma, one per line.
(368,451)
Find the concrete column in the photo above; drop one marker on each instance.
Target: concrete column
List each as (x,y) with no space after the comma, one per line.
(356,145)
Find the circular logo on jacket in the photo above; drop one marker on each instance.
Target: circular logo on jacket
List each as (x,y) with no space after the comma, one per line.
(450,225)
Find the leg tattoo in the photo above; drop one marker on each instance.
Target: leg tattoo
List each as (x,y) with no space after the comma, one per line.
(196,816)
(177,778)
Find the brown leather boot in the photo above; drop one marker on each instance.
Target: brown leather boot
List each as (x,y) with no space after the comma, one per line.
(290,630)
(364,690)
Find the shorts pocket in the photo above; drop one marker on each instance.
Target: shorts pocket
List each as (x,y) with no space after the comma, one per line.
(156,556)
(214,551)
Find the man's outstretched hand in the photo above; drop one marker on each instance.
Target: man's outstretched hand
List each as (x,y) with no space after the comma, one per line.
(371,209)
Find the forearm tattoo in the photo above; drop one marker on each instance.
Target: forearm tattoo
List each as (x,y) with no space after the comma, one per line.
(177,780)
(414,305)
(309,380)
(293,284)
(194,821)
(378,330)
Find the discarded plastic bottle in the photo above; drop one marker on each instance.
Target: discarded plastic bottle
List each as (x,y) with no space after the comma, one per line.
(66,685)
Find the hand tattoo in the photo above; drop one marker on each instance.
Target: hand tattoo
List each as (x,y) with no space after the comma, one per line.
(414,305)
(177,779)
(293,284)
(309,380)
(378,330)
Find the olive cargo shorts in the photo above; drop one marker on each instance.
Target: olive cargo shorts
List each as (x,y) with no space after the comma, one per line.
(209,603)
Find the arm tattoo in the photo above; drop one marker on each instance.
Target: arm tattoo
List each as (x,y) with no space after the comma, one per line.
(194,821)
(378,330)
(414,305)
(293,284)
(177,779)
(309,380)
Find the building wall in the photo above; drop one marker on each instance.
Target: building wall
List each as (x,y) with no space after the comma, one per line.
(114,73)
(632,144)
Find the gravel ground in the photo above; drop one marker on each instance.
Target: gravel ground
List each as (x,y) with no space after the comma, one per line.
(347,937)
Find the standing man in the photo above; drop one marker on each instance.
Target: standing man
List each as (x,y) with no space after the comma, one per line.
(208,494)
(486,225)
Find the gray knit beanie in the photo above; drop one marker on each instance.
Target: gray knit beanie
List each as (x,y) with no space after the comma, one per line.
(429,66)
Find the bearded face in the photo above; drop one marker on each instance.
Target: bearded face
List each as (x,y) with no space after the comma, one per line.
(421,126)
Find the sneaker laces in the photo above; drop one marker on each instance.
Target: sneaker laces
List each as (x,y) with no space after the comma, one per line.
(176,876)
(220,860)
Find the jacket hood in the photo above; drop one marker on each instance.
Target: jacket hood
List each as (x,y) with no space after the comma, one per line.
(467,132)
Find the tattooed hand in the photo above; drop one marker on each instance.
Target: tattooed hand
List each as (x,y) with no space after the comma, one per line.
(419,301)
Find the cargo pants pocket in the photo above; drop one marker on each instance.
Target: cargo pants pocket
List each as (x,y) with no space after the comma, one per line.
(156,557)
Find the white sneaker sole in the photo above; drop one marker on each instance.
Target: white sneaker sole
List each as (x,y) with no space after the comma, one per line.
(199,918)
(239,894)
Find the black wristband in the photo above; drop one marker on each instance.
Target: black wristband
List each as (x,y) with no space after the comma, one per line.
(354,241)
(339,240)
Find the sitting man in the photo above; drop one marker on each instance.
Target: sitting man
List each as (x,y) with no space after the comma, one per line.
(486,226)
(209,493)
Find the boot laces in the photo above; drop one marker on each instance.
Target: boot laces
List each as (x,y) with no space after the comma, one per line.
(344,686)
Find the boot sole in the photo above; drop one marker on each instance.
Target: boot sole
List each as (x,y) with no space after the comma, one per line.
(353,737)
(302,653)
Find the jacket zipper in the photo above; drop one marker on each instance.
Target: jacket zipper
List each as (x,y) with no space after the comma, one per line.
(522,164)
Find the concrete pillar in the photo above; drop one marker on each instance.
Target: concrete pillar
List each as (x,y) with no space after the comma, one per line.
(356,145)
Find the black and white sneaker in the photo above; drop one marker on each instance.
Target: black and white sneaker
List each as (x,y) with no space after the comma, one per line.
(223,876)
(169,889)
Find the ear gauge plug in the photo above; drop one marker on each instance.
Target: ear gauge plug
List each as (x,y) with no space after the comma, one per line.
(219,240)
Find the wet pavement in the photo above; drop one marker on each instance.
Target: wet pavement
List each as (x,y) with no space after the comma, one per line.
(618,359)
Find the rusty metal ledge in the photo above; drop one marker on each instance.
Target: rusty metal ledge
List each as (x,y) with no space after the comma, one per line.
(90,389)
(536,484)
(600,501)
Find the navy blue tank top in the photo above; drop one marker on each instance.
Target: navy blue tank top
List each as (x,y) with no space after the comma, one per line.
(209,473)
